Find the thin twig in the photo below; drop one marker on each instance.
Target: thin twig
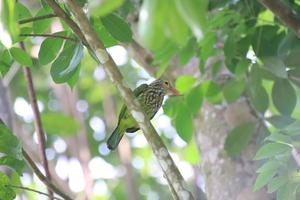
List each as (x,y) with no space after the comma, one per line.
(32,190)
(48,35)
(43,178)
(38,122)
(161,152)
(296,155)
(32,19)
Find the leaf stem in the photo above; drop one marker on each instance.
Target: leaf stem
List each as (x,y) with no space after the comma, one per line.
(32,19)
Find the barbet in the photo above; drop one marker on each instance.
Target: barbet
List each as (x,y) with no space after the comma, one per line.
(150,98)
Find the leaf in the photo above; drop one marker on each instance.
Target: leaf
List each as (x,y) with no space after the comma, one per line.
(259,97)
(66,64)
(5,62)
(21,56)
(172,105)
(117,27)
(194,99)
(102,8)
(41,26)
(233,89)
(277,182)
(280,121)
(287,192)
(238,138)
(55,123)
(184,83)
(49,49)
(277,137)
(23,12)
(191,153)
(293,129)
(13,163)
(184,123)
(263,178)
(271,149)
(188,51)
(11,147)
(284,96)
(271,165)
(275,66)
(6,193)
(104,35)
(207,46)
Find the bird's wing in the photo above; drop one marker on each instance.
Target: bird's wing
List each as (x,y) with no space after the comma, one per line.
(137,91)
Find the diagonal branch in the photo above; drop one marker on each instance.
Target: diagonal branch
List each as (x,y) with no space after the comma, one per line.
(285,14)
(37,121)
(43,178)
(32,19)
(166,162)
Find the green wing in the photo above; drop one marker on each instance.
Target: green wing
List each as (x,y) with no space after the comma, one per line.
(137,91)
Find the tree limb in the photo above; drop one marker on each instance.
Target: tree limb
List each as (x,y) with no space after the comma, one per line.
(32,19)
(37,121)
(166,162)
(48,35)
(285,14)
(43,178)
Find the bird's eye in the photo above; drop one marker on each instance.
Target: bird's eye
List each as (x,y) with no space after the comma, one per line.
(167,83)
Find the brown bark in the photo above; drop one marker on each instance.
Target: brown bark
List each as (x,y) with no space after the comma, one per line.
(226,177)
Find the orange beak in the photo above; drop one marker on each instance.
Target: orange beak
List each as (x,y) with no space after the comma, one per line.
(173,92)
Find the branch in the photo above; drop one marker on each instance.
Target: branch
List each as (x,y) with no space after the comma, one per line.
(37,120)
(32,190)
(28,20)
(166,162)
(285,14)
(43,178)
(49,35)
(296,155)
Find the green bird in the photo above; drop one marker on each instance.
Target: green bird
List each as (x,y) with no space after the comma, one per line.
(150,98)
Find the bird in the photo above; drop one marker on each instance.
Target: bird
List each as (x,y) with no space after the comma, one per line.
(150,98)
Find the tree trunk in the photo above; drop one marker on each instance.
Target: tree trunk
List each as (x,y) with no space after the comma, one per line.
(227,177)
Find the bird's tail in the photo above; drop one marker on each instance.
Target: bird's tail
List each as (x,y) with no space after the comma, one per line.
(115,138)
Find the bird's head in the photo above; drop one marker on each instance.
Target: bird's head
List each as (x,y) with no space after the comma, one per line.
(166,86)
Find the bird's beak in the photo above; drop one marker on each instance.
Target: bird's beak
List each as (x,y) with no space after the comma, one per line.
(173,92)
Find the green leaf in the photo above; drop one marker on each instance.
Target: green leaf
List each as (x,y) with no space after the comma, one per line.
(23,12)
(50,48)
(11,147)
(117,27)
(263,178)
(102,8)
(104,35)
(172,105)
(6,193)
(188,51)
(233,89)
(41,26)
(275,66)
(191,153)
(194,13)
(259,97)
(207,46)
(13,163)
(21,56)
(184,123)
(66,64)
(5,62)
(280,121)
(194,99)
(277,182)
(284,96)
(55,123)
(271,149)
(293,129)
(277,137)
(8,23)
(185,83)
(287,192)
(271,165)
(238,138)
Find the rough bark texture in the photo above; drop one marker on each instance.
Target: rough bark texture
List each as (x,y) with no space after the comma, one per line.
(226,178)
